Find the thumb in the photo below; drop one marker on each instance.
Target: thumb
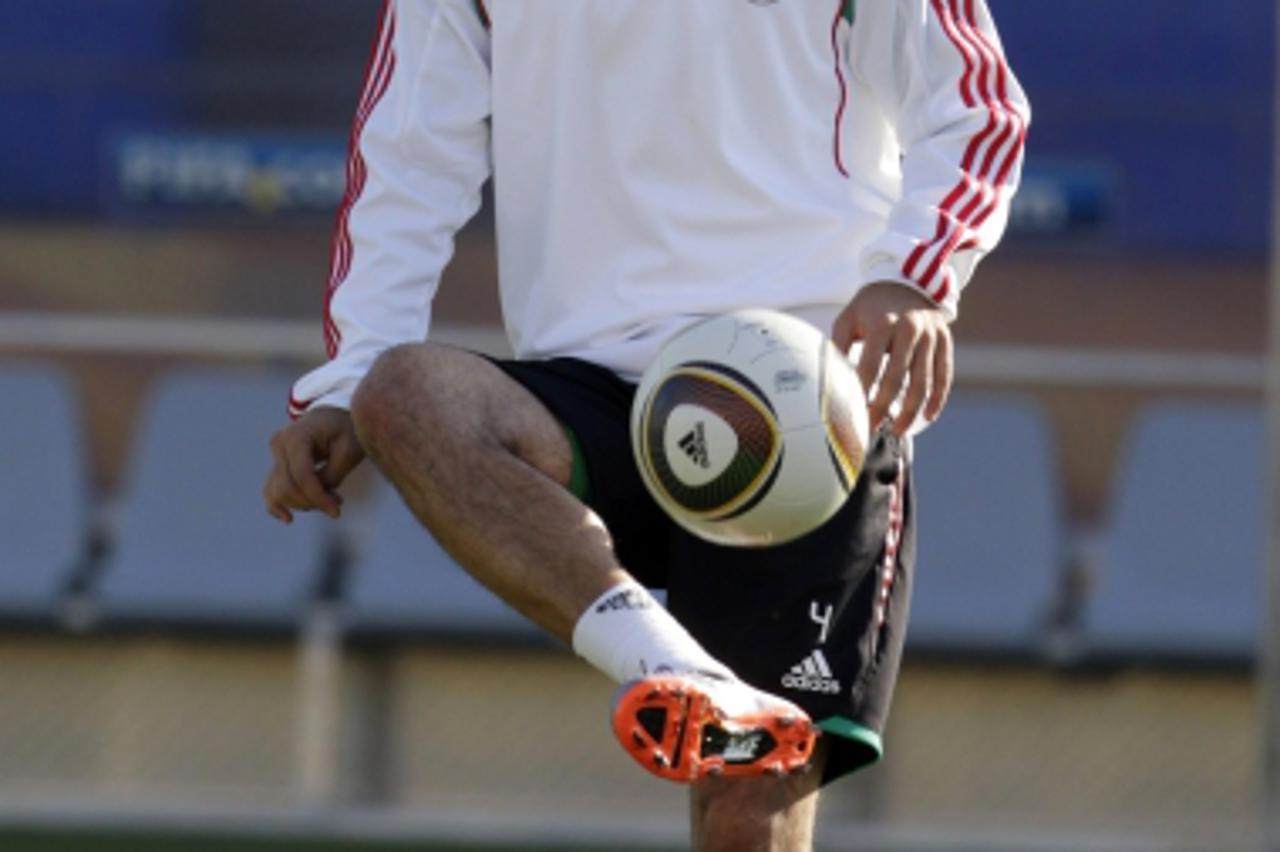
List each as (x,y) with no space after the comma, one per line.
(344,454)
(846,330)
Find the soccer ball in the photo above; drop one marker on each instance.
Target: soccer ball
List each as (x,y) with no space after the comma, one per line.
(750,428)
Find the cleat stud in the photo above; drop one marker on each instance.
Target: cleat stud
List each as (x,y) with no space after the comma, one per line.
(715,771)
(660,760)
(774,771)
(786,721)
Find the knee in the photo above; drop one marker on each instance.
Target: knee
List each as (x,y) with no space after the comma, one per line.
(380,400)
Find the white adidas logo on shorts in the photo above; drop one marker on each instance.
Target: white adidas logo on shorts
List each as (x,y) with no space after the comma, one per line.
(812,674)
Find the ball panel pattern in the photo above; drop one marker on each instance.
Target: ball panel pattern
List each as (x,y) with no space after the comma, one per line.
(730,396)
(758,492)
(845,444)
(734,379)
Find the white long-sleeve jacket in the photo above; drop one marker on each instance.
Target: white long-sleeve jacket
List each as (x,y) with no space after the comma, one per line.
(655,161)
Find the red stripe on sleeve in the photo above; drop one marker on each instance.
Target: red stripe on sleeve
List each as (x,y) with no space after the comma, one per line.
(297,407)
(381,67)
(1003,123)
(1009,143)
(972,68)
(843,99)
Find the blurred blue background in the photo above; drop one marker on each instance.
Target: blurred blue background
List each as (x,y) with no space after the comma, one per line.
(1165,105)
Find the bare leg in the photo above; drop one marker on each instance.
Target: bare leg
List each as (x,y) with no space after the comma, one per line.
(756,814)
(483,465)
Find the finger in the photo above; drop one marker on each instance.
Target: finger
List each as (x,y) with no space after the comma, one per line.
(281,491)
(921,371)
(301,465)
(288,495)
(895,372)
(943,375)
(276,486)
(844,331)
(273,495)
(280,513)
(873,351)
(344,454)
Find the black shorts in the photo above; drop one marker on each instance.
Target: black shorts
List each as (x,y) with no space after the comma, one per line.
(819,620)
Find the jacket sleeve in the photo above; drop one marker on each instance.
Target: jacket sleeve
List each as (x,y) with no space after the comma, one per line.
(419,155)
(937,70)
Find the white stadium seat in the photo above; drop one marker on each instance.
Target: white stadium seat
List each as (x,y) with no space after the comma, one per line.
(990,530)
(196,547)
(1181,571)
(44,499)
(403,582)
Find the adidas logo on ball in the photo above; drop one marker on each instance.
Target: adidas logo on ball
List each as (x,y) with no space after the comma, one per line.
(695,445)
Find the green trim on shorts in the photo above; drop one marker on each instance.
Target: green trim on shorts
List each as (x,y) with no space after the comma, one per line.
(841,726)
(579,484)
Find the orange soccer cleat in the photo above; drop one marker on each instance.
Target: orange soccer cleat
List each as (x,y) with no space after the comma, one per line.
(690,726)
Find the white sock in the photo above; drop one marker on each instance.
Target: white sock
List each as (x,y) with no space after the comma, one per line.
(627,634)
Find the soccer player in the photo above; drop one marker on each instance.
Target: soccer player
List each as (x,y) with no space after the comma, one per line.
(655,162)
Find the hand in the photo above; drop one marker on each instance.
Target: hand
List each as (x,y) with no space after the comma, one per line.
(311,457)
(894,320)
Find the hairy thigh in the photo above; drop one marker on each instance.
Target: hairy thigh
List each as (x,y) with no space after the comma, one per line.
(425,395)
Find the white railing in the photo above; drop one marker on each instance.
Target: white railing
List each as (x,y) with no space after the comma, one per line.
(301,340)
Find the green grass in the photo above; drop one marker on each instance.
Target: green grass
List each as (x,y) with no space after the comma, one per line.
(44,840)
